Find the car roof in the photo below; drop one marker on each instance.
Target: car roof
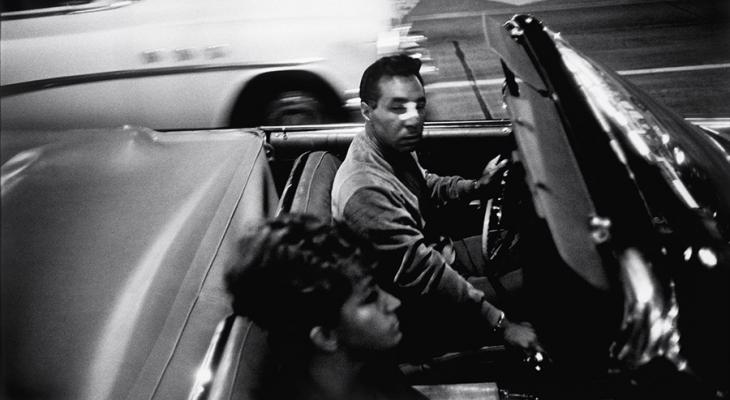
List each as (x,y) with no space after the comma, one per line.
(113,247)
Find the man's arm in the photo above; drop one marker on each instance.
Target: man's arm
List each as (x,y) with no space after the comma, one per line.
(443,189)
(447,188)
(414,267)
(417,269)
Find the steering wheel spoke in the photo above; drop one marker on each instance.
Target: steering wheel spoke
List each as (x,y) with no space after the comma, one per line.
(493,228)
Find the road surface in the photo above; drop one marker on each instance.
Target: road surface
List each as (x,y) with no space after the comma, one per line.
(678,51)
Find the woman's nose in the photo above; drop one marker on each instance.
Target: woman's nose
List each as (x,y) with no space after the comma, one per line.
(391,302)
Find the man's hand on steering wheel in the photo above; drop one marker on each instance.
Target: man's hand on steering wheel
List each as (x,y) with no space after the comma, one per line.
(489,182)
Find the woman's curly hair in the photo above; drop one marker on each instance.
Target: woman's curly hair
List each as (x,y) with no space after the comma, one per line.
(295,272)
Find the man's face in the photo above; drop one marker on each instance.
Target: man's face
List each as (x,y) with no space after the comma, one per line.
(368,320)
(398,117)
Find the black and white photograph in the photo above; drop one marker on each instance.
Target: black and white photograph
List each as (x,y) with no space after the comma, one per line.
(365,199)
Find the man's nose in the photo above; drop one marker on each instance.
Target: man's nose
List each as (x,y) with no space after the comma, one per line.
(412,114)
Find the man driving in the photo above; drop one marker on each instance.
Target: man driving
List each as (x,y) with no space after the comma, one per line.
(382,192)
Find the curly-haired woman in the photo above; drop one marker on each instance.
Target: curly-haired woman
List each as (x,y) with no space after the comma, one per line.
(332,329)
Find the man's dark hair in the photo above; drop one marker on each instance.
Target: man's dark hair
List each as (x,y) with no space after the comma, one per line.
(295,272)
(397,65)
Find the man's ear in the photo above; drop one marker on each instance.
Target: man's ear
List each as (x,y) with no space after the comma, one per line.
(324,339)
(365,110)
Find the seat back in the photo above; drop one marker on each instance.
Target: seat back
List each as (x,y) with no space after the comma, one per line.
(242,355)
(309,187)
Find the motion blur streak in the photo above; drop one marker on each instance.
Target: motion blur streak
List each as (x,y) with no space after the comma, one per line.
(13,168)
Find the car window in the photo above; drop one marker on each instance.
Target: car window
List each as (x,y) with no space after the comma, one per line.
(25,5)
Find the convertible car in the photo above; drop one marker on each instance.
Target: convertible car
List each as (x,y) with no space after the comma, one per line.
(114,243)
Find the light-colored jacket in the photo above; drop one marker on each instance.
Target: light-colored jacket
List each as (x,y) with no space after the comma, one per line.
(388,198)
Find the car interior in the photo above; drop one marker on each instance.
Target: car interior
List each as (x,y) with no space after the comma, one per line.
(576,304)
(308,190)
(576,362)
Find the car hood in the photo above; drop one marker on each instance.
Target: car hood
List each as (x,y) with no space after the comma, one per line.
(110,240)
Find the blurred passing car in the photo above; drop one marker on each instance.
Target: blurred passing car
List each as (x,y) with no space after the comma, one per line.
(114,243)
(168,64)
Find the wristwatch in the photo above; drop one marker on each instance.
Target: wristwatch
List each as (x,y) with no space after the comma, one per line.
(500,323)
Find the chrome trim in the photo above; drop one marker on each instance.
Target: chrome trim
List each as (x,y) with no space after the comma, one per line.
(721,123)
(91,6)
(207,370)
(468,123)
(42,84)
(650,325)
(224,380)
(339,136)
(480,390)
(353,103)
(474,123)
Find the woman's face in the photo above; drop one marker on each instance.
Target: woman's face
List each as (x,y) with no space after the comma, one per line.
(368,320)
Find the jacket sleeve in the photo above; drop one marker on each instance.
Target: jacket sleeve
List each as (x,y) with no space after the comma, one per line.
(413,267)
(443,189)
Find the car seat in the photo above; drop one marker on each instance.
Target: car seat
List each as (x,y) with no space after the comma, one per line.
(243,355)
(309,187)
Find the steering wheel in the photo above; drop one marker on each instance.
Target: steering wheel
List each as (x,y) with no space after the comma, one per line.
(497,237)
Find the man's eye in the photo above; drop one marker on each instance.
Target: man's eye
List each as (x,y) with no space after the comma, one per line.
(398,109)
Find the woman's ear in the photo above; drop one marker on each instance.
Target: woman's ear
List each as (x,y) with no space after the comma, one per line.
(324,339)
